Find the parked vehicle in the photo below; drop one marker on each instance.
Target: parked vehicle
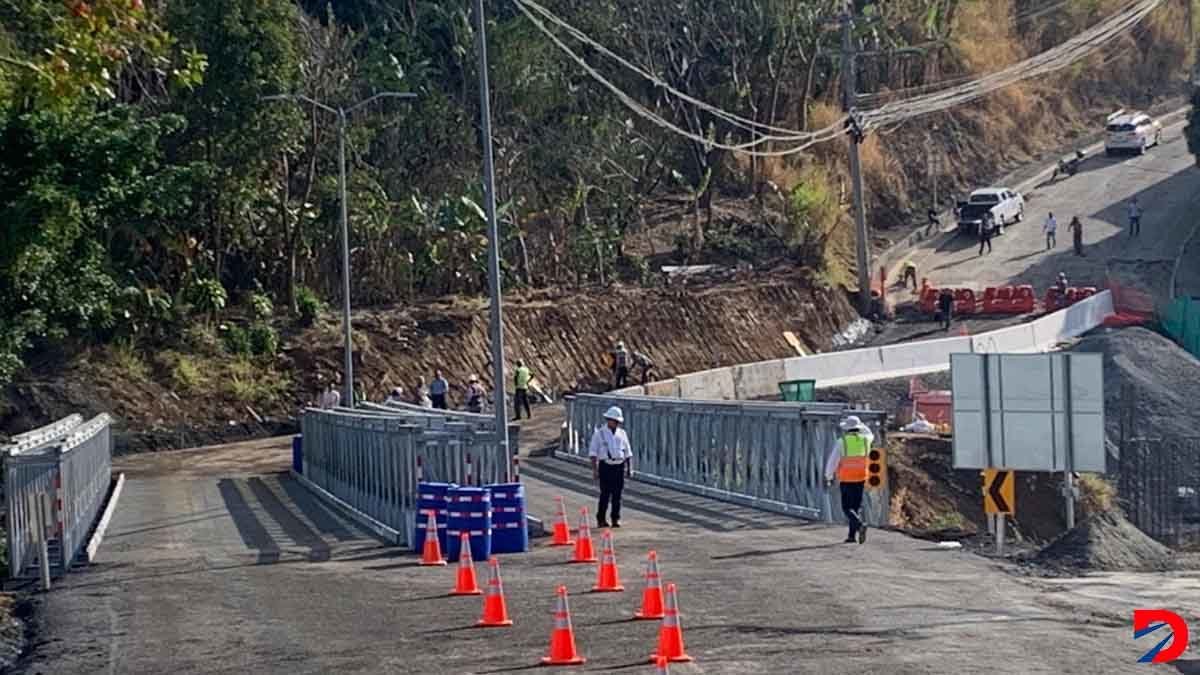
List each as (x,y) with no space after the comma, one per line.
(1005,206)
(1131,132)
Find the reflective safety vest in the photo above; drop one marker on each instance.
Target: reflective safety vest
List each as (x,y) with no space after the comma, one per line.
(852,467)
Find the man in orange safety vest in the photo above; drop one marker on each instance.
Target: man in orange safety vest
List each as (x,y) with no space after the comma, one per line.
(848,458)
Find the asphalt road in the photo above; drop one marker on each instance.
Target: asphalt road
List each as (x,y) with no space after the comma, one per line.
(1165,181)
(216,562)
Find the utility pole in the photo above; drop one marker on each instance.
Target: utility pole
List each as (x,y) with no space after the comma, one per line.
(489,198)
(849,92)
(342,114)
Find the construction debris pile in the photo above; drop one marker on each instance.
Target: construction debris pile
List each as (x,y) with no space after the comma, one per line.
(1105,542)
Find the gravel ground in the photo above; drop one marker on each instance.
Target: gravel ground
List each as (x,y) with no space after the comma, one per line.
(1106,542)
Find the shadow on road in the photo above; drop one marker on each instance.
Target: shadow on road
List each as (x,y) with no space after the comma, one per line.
(778,551)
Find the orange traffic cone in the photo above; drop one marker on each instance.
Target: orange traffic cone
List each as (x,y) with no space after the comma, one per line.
(432,553)
(660,666)
(962,330)
(495,612)
(652,596)
(562,531)
(562,638)
(670,634)
(584,551)
(466,584)
(607,578)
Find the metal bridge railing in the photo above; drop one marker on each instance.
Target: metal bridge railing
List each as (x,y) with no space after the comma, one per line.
(371,460)
(765,455)
(56,480)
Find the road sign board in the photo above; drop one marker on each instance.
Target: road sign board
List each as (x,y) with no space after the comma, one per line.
(999,491)
(1028,412)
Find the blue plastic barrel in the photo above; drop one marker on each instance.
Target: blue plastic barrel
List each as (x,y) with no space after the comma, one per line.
(470,511)
(298,454)
(510,531)
(431,496)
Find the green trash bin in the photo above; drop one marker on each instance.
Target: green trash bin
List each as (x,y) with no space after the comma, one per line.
(798,390)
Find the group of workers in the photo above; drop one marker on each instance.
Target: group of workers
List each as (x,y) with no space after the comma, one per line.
(611,456)
(436,395)
(622,359)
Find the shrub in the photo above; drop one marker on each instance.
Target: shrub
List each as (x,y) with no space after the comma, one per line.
(261,306)
(187,374)
(236,340)
(264,341)
(208,296)
(308,304)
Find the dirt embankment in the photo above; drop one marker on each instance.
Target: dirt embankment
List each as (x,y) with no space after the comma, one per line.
(189,392)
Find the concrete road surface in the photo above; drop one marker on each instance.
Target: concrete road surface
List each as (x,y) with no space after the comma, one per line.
(1165,181)
(216,562)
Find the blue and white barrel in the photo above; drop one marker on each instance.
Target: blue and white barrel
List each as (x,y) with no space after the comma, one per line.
(431,497)
(469,510)
(510,532)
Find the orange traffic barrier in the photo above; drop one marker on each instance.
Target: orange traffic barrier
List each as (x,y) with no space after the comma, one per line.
(670,634)
(495,611)
(432,553)
(652,596)
(466,583)
(608,580)
(962,330)
(562,637)
(585,552)
(660,666)
(562,531)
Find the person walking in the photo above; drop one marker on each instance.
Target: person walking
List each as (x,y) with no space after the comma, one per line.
(1076,228)
(910,272)
(848,459)
(1135,218)
(1051,230)
(1062,284)
(645,363)
(475,395)
(612,461)
(985,233)
(439,389)
(945,306)
(620,358)
(421,394)
(331,398)
(521,379)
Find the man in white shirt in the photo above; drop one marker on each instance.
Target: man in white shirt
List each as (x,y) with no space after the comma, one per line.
(1135,218)
(331,398)
(612,461)
(1051,229)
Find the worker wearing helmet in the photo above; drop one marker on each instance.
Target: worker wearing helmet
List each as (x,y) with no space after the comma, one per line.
(612,461)
(848,458)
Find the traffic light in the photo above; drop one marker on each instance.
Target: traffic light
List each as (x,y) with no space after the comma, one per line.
(876,469)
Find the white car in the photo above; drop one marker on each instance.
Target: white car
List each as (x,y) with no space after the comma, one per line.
(1003,205)
(1131,132)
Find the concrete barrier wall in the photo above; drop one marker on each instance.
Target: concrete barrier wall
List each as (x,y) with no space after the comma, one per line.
(712,385)
(757,380)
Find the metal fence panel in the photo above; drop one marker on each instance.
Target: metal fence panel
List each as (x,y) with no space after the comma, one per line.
(768,455)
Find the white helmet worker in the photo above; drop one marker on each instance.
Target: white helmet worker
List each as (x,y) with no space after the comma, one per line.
(614,414)
(852,423)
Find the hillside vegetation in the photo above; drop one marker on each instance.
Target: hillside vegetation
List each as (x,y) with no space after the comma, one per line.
(156,209)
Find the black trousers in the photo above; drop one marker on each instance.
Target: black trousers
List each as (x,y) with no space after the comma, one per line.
(521,400)
(852,499)
(621,377)
(439,401)
(909,273)
(612,481)
(646,370)
(985,240)
(1135,226)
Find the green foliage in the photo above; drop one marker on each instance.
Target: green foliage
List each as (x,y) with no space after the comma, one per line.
(309,305)
(236,340)
(264,341)
(188,374)
(208,296)
(261,306)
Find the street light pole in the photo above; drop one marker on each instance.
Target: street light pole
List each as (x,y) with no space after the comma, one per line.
(342,115)
(489,198)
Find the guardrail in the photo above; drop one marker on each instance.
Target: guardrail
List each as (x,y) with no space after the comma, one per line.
(370,461)
(761,379)
(56,480)
(766,455)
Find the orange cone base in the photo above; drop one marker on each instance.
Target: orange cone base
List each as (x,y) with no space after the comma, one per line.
(548,661)
(438,563)
(592,559)
(493,624)
(475,591)
(674,659)
(644,617)
(608,589)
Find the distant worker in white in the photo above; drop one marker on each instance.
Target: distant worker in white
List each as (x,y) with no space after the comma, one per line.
(1135,217)
(848,459)
(1051,230)
(612,461)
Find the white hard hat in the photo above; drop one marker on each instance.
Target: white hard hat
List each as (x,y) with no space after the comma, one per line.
(473,378)
(614,413)
(851,422)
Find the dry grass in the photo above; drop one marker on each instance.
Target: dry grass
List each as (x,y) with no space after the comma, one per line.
(1097,494)
(127,360)
(249,382)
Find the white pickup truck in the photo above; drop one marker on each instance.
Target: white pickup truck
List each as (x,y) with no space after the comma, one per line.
(998,206)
